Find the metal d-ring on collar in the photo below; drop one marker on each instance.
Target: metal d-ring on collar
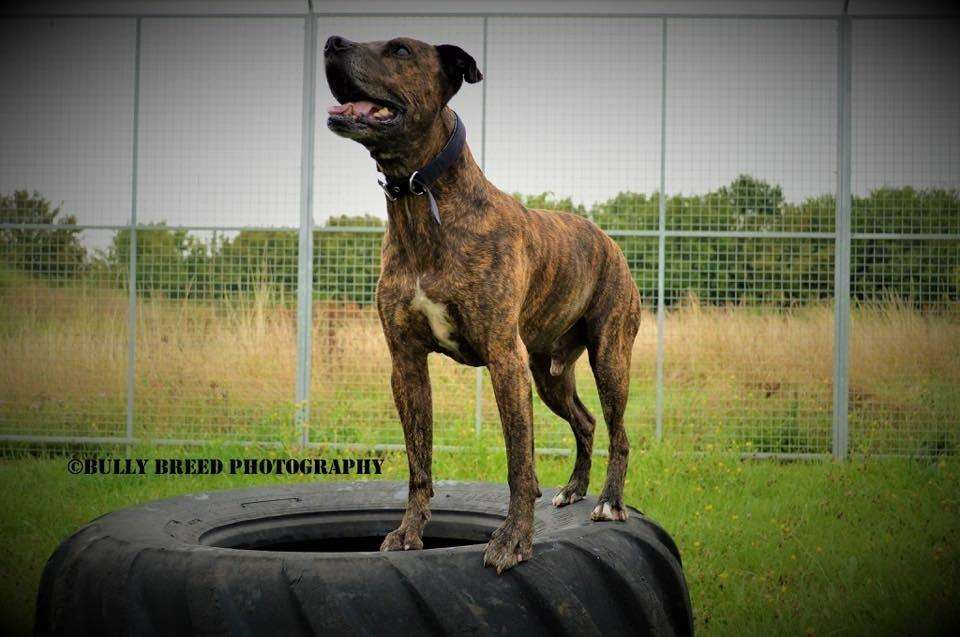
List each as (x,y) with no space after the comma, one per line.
(419,182)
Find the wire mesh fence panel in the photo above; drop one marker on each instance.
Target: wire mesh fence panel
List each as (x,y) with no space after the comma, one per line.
(216,334)
(219,140)
(748,344)
(66,116)
(750,149)
(906,130)
(568,117)
(573,115)
(351,399)
(63,332)
(905,347)
(905,342)
(66,124)
(350,370)
(751,125)
(220,111)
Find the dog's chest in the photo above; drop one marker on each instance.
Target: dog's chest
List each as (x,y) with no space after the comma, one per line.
(437,315)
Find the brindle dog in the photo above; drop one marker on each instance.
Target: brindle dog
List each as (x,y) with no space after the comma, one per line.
(493,284)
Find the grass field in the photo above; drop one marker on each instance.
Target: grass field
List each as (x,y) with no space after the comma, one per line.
(866,547)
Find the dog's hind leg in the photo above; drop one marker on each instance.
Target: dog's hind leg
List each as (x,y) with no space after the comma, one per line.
(559,393)
(610,347)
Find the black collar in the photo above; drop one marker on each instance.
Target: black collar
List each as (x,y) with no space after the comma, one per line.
(420,181)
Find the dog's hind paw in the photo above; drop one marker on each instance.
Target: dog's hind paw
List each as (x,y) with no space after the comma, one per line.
(607,511)
(564,497)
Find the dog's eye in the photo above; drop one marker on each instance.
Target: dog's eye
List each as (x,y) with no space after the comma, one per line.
(401,51)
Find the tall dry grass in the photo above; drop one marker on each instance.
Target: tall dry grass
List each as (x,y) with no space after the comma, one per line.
(216,365)
(62,352)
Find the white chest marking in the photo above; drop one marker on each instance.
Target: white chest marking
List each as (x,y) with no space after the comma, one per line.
(437,317)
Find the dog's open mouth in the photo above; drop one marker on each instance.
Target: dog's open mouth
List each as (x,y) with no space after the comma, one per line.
(357,110)
(366,112)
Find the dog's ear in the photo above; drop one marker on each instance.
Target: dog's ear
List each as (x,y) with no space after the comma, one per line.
(458,65)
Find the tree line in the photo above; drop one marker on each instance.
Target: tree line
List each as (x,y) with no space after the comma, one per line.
(176,263)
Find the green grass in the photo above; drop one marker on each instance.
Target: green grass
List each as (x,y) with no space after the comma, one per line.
(863,547)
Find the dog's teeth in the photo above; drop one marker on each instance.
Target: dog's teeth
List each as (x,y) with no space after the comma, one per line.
(383,113)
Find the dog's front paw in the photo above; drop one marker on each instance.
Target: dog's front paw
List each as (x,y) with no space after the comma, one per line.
(609,511)
(565,497)
(508,546)
(402,540)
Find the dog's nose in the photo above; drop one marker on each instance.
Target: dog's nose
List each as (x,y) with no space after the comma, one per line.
(335,44)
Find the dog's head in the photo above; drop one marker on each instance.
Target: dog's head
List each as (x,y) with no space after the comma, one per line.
(392,91)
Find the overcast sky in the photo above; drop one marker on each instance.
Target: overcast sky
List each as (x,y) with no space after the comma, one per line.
(573,107)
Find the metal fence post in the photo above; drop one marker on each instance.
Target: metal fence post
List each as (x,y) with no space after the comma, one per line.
(478,397)
(132,275)
(661,230)
(305,250)
(841,345)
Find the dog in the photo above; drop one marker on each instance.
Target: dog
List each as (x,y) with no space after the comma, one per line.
(469,272)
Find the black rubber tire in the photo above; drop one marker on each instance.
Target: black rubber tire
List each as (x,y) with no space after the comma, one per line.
(166,567)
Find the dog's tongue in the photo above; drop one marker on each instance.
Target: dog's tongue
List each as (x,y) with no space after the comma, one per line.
(352,108)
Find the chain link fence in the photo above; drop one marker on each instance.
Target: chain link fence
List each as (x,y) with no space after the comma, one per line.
(188,255)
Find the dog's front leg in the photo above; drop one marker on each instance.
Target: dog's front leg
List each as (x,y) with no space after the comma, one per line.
(410,381)
(513,541)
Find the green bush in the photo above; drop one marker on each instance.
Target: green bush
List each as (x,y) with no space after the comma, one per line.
(717,269)
(52,253)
